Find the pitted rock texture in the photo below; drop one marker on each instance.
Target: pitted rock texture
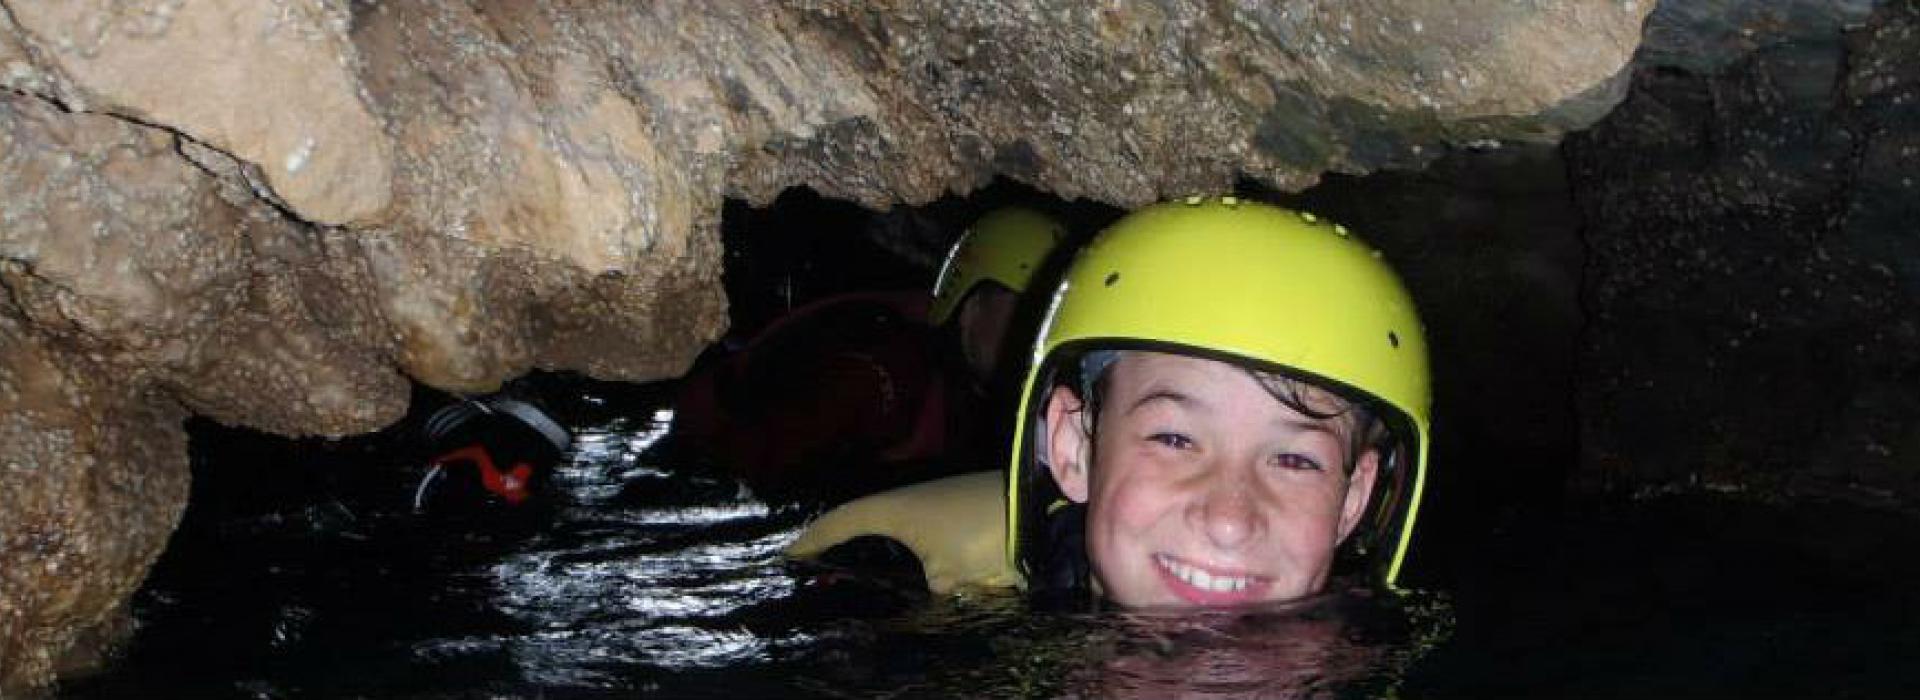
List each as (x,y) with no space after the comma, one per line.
(274,212)
(270,82)
(96,477)
(1754,269)
(119,249)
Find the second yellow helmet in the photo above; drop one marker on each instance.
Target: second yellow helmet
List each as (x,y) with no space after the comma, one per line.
(1006,246)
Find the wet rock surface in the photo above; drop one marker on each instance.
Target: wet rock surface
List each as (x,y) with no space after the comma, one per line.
(272,83)
(97,477)
(273,214)
(1753,279)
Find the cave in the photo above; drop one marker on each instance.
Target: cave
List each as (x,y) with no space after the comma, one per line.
(1663,252)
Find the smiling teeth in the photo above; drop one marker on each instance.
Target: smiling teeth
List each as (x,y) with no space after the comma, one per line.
(1203,580)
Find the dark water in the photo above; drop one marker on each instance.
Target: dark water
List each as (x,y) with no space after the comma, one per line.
(300,571)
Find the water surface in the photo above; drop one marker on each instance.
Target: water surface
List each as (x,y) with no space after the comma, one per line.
(301,571)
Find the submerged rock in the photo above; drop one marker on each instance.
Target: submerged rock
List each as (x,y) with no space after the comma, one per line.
(274,213)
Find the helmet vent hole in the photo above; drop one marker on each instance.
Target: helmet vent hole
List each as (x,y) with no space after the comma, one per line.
(1393,339)
(1112,277)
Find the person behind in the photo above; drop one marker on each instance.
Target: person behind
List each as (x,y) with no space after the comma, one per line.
(868,390)
(1229,407)
(492,454)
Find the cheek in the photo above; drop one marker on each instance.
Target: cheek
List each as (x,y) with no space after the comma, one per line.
(1307,520)
(1128,495)
(1125,518)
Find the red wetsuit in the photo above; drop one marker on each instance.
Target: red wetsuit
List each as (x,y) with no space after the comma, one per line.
(844,395)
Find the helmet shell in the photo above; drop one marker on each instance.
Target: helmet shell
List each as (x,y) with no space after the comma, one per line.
(1006,246)
(1266,287)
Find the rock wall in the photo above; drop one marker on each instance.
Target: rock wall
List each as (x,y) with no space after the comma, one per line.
(1754,277)
(275,212)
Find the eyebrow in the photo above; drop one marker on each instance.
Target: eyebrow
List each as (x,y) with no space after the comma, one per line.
(1161,393)
(1318,425)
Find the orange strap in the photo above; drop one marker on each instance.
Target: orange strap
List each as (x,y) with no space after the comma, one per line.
(511,485)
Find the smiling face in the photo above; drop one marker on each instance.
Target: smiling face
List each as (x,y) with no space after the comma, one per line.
(1202,488)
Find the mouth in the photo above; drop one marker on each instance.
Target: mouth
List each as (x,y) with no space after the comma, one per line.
(1202,585)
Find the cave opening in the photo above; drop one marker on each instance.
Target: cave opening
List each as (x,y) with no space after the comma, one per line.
(1675,376)
(298,554)
(293,551)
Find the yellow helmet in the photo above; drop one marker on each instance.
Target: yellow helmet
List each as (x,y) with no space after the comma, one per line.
(1006,246)
(1260,285)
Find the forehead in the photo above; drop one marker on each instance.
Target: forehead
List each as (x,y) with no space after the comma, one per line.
(1133,367)
(1135,371)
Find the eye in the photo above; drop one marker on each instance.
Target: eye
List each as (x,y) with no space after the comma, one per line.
(1173,440)
(1296,461)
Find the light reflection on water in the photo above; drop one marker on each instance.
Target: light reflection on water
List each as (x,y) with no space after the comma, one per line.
(651,579)
(606,589)
(1314,650)
(613,589)
(713,581)
(1336,646)
(647,578)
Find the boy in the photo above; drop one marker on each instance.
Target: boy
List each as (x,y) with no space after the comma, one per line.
(1228,407)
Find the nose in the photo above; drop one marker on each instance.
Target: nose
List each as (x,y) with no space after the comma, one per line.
(1227,514)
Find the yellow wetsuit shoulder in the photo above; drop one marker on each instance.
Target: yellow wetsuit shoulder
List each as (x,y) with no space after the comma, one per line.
(957,526)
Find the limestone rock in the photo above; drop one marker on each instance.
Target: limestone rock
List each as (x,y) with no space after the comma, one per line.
(1128,103)
(271,82)
(95,474)
(128,254)
(544,220)
(135,290)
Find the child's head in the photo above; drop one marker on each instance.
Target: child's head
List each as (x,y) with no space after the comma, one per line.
(985,272)
(1228,406)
